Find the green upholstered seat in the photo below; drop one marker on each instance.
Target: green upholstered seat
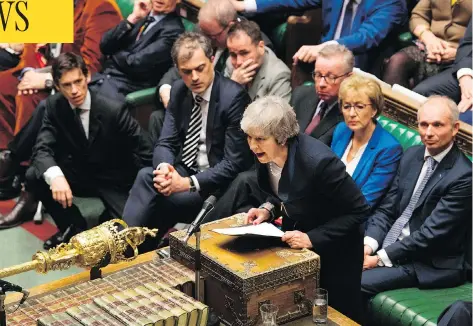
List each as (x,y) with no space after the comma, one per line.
(405,136)
(414,307)
(278,37)
(126,7)
(188,25)
(141,103)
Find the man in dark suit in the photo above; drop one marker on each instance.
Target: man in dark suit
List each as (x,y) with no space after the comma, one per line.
(18,99)
(456,81)
(88,145)
(201,148)
(214,21)
(138,54)
(458,313)
(317,112)
(138,50)
(10,55)
(361,26)
(416,236)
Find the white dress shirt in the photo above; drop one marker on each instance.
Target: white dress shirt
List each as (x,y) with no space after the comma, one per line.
(202,157)
(157,19)
(372,243)
(55,171)
(338,31)
(317,110)
(251,6)
(351,166)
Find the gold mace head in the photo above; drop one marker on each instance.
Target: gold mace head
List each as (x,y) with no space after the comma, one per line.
(108,243)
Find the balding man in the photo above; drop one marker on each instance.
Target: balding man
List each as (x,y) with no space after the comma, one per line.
(214,21)
(416,236)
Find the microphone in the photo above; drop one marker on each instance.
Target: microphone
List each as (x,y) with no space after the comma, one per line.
(10,287)
(206,208)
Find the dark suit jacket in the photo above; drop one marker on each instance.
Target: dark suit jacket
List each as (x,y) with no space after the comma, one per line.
(438,224)
(318,197)
(304,100)
(227,148)
(464,52)
(378,164)
(8,60)
(172,74)
(110,157)
(140,64)
(373,22)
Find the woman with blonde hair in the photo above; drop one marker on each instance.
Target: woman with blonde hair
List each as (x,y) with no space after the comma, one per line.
(370,153)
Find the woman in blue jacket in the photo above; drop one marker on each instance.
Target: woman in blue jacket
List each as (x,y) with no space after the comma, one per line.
(370,153)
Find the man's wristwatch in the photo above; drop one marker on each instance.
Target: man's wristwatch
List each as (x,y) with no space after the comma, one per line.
(48,83)
(270,208)
(192,188)
(380,261)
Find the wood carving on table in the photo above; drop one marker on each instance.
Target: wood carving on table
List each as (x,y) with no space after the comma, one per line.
(243,273)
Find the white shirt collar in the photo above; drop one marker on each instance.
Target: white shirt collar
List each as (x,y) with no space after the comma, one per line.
(207,93)
(157,17)
(440,156)
(86,105)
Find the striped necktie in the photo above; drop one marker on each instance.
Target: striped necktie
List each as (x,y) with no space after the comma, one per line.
(189,152)
(399,224)
(143,28)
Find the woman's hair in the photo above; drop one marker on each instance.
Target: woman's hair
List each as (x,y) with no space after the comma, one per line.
(362,85)
(271,116)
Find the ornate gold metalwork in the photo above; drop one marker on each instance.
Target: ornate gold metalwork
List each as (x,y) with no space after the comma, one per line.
(109,240)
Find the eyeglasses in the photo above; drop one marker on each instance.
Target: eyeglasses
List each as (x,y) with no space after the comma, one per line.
(357,106)
(216,35)
(330,79)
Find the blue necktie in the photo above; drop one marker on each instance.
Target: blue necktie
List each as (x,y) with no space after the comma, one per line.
(399,224)
(347,19)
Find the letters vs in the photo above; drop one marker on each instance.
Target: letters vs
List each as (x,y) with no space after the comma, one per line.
(15,11)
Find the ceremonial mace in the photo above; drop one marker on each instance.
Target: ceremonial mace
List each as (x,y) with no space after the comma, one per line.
(111,240)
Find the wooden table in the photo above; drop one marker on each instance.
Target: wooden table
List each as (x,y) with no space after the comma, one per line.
(335,317)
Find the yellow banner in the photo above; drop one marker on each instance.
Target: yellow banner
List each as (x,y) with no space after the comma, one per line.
(36,21)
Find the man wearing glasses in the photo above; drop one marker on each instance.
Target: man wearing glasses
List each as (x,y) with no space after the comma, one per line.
(317,111)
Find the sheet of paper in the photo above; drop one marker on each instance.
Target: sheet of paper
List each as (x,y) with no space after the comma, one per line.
(263,229)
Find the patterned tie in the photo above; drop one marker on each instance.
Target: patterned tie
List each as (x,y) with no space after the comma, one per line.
(143,28)
(399,224)
(347,19)
(316,119)
(78,120)
(189,152)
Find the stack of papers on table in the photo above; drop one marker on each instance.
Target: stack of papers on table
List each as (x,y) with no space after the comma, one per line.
(264,229)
